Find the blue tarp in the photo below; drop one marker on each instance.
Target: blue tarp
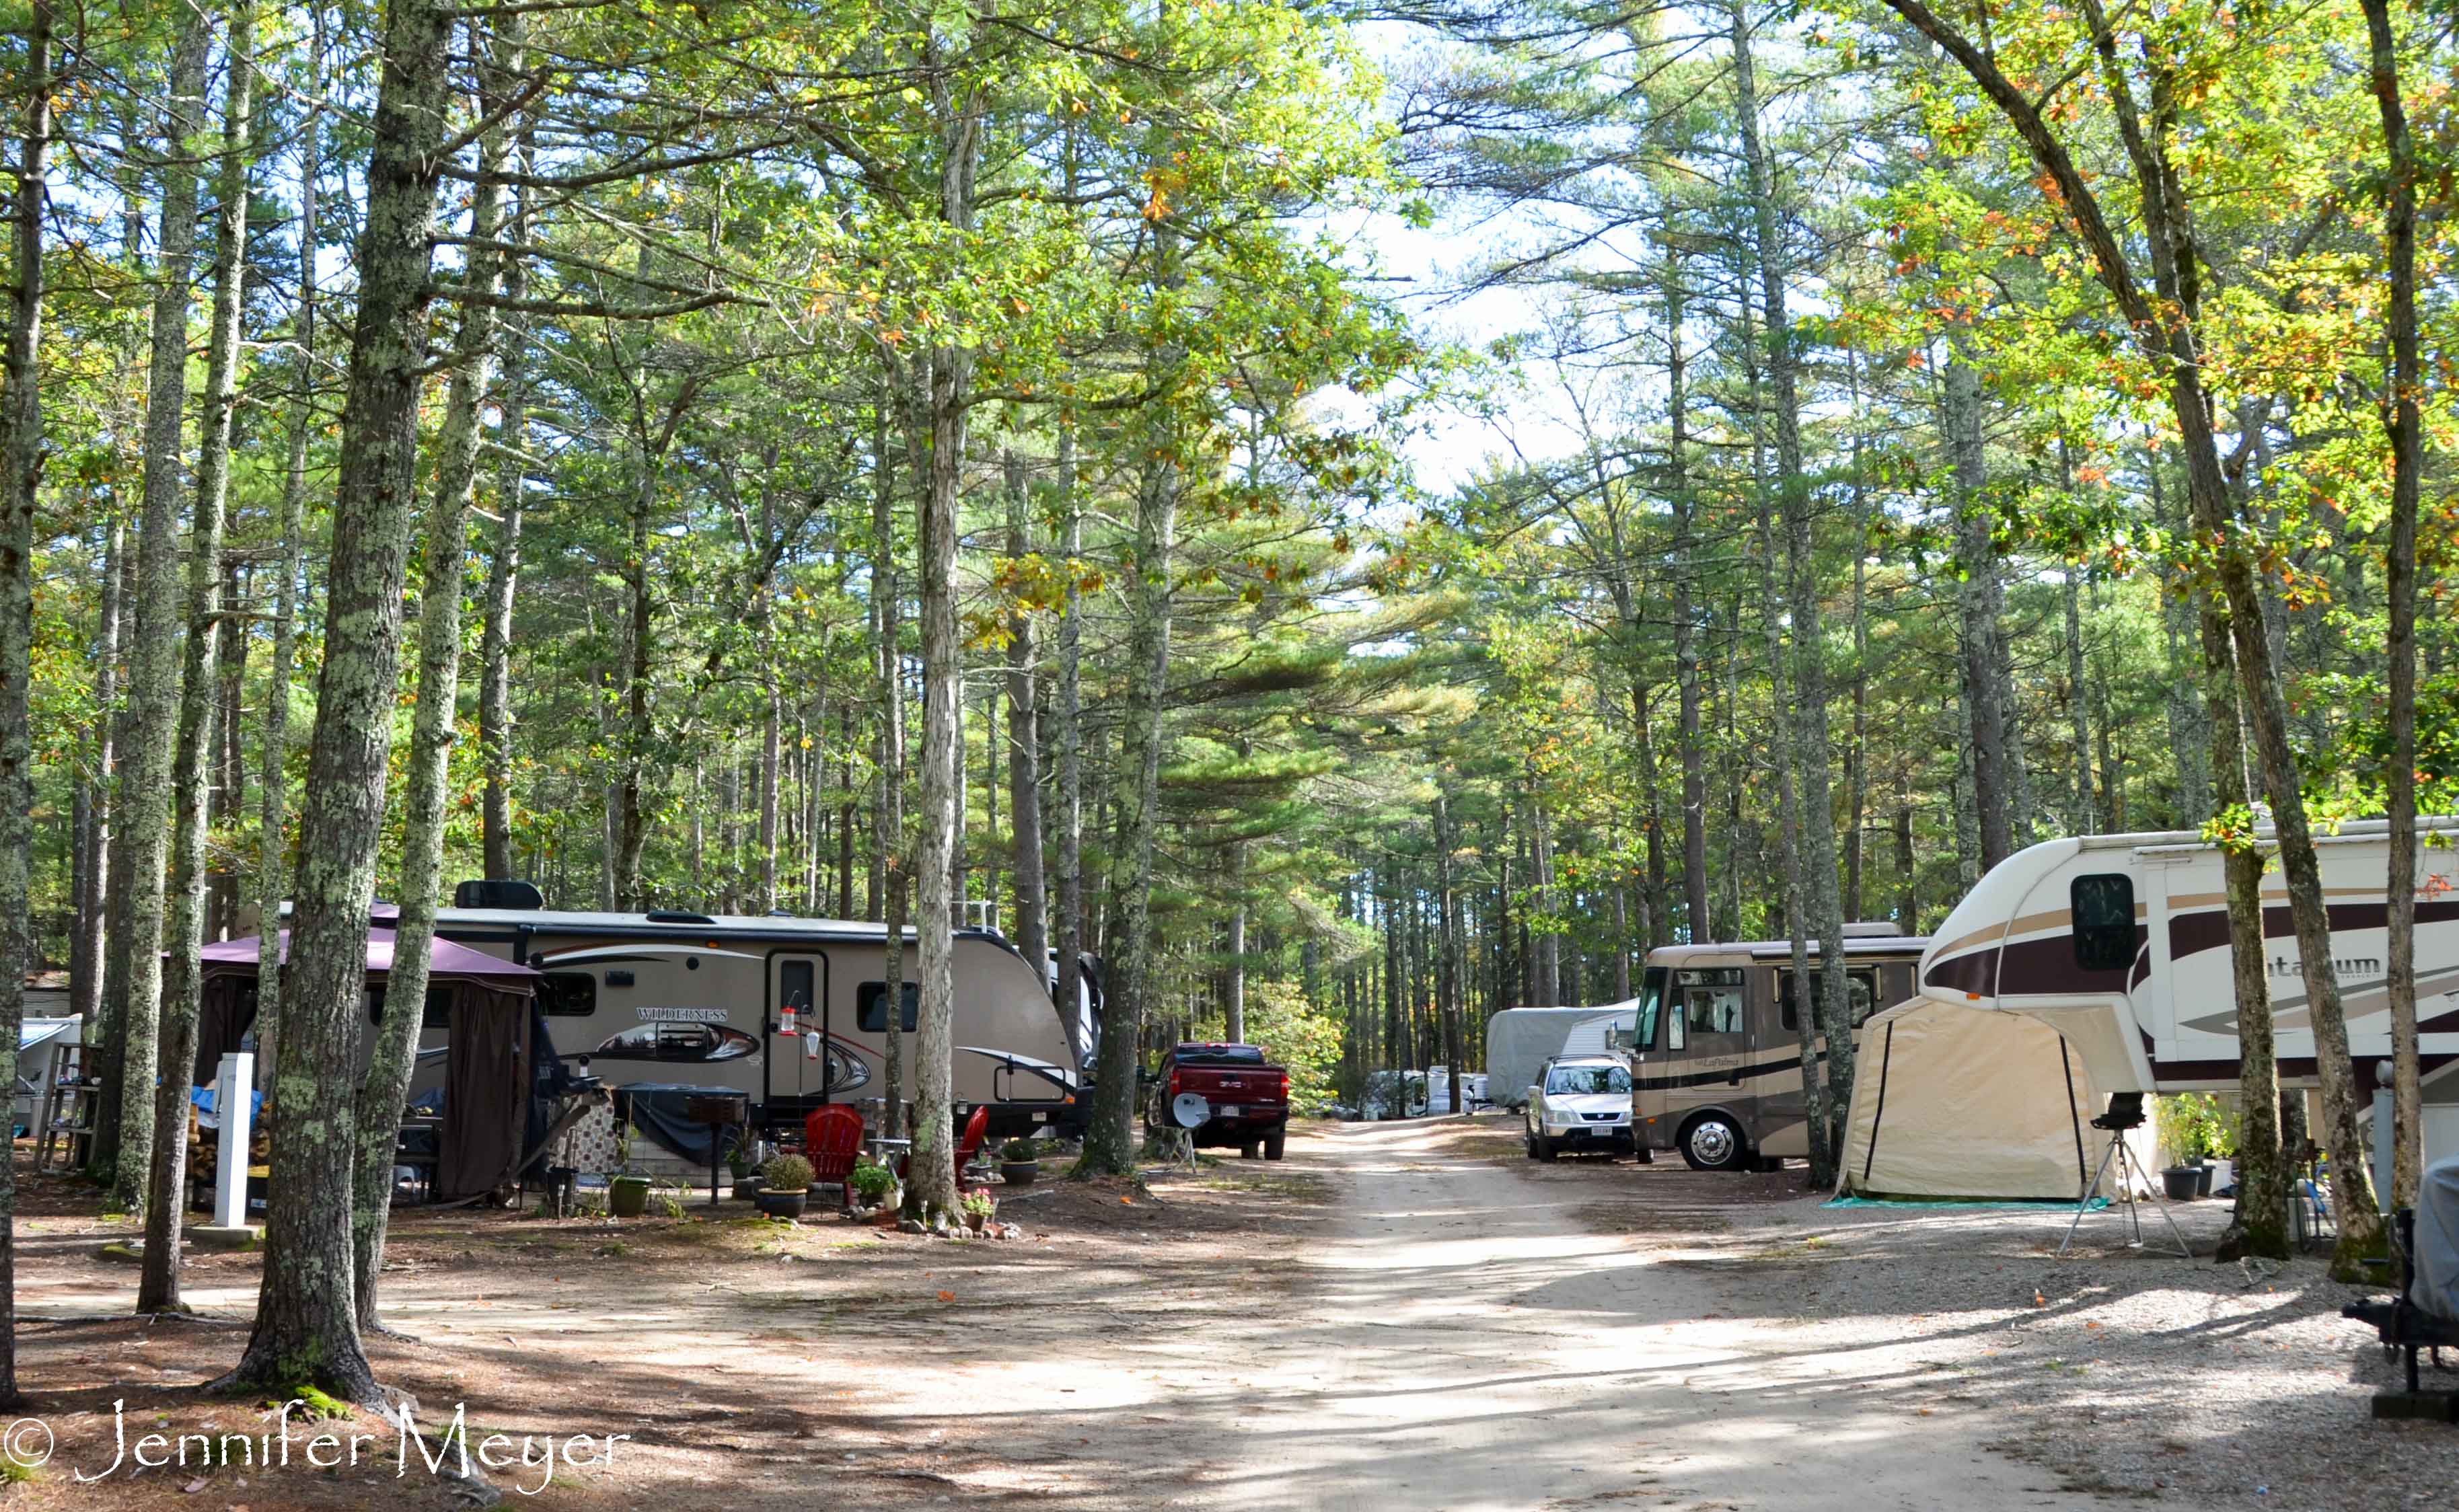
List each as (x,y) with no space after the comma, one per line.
(658,1111)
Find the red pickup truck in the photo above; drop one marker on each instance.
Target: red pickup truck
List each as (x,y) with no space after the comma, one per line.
(1248,1096)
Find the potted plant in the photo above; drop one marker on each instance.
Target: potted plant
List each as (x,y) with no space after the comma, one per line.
(741,1159)
(627,1196)
(785,1186)
(979,1208)
(872,1184)
(1018,1163)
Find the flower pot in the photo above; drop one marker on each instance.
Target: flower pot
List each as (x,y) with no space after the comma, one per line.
(2202,1180)
(627,1196)
(2180,1181)
(1019,1173)
(782,1204)
(975,1221)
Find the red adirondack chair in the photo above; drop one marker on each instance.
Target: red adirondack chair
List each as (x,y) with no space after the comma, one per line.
(832,1142)
(969,1144)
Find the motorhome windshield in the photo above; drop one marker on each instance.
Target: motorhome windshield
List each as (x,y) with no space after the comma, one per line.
(1643,1018)
(1579,1080)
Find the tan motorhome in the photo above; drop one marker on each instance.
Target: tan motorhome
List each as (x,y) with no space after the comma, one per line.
(705,1000)
(1715,1058)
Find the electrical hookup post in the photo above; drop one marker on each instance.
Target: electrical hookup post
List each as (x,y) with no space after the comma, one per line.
(234,1121)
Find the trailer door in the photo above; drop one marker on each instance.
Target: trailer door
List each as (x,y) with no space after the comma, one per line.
(799,1064)
(1647,1061)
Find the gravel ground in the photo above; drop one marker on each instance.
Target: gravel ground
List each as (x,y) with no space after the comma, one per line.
(2115,1371)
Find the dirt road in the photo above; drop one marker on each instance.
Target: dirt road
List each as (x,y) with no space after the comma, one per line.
(1399,1317)
(1467,1340)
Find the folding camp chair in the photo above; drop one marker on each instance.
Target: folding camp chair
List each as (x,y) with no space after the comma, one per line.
(833,1142)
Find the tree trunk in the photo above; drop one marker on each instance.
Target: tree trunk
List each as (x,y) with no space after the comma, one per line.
(1786,710)
(1858,763)
(21,415)
(87,950)
(1698,916)
(434,719)
(503,585)
(1818,813)
(153,652)
(1977,599)
(1071,752)
(1447,973)
(1024,749)
(307,1327)
(2405,425)
(931,1190)
(2262,1173)
(2078,713)
(272,866)
(887,828)
(157,1288)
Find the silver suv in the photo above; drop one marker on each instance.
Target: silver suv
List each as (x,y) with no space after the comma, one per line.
(1580,1103)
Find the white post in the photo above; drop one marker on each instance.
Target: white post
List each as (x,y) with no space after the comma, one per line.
(234,1097)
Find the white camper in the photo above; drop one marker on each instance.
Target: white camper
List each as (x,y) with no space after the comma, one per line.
(791,1011)
(1520,1040)
(2121,944)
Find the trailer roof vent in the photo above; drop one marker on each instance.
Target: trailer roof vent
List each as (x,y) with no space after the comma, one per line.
(497,892)
(1872,929)
(678,916)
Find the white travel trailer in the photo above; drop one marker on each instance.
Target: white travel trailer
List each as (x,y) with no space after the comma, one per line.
(1520,1040)
(2121,944)
(791,1011)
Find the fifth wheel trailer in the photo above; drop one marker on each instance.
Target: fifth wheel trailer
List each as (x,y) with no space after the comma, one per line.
(2121,944)
(791,1011)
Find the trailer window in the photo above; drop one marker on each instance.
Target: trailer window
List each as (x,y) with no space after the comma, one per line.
(2104,921)
(794,986)
(1861,988)
(871,1019)
(678,1041)
(567,995)
(1708,1010)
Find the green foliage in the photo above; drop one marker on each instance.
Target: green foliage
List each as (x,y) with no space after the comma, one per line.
(1020,1151)
(1297,1035)
(2194,1126)
(872,1182)
(786,1173)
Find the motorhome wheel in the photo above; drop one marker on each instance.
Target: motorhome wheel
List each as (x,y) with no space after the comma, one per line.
(1712,1144)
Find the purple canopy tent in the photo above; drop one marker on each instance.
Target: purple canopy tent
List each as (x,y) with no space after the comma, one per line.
(481,1003)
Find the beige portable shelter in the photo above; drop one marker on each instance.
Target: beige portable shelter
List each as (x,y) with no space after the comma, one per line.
(1955,1102)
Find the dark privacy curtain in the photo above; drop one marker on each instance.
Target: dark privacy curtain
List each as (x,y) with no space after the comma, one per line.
(486,1091)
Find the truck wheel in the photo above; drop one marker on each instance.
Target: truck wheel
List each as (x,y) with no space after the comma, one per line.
(1647,1155)
(1272,1140)
(1530,1140)
(1249,1150)
(1546,1149)
(1714,1143)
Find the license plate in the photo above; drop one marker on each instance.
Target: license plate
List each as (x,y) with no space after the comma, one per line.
(1230,1110)
(1039,1117)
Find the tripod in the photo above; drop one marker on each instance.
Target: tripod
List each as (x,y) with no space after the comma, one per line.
(2125,1113)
